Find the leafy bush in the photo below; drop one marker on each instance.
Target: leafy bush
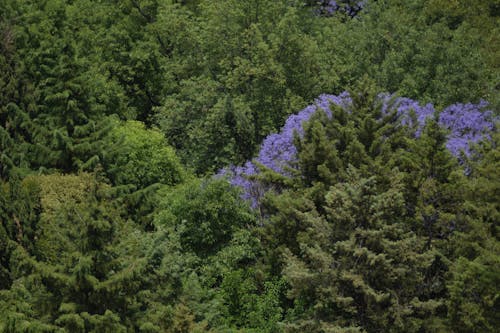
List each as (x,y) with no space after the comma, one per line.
(141,157)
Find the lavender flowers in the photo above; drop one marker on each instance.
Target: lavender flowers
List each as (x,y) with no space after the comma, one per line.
(467,124)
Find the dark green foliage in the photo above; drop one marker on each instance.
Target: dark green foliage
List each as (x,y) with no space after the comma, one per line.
(222,281)
(439,51)
(205,215)
(360,267)
(15,99)
(19,217)
(474,280)
(363,236)
(237,77)
(56,118)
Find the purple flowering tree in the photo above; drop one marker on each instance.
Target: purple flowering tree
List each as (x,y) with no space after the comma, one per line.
(278,151)
(349,7)
(410,112)
(466,123)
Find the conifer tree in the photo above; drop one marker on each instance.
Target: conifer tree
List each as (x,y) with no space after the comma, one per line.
(358,258)
(474,275)
(16,99)
(83,273)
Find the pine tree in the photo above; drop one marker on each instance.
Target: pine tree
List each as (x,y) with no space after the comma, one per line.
(16,99)
(474,279)
(360,268)
(365,256)
(86,267)
(54,113)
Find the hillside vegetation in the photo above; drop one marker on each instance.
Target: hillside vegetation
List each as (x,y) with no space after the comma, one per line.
(249,166)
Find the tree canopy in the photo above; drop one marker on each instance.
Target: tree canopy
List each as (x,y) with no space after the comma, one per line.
(249,166)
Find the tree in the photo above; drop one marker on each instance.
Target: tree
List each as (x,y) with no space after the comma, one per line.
(359,268)
(85,268)
(236,77)
(58,116)
(141,157)
(412,48)
(473,280)
(205,214)
(358,253)
(16,99)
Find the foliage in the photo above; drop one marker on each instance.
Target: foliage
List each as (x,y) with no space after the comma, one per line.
(76,272)
(361,224)
(467,124)
(366,212)
(205,215)
(141,157)
(473,283)
(249,68)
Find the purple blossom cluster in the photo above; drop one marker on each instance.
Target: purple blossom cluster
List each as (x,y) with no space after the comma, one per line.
(467,124)
(408,111)
(349,7)
(278,151)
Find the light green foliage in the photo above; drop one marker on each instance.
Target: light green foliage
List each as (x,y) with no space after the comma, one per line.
(138,161)
(141,157)
(81,274)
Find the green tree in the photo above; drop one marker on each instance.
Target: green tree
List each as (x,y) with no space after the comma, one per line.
(138,161)
(474,278)
(16,99)
(141,157)
(364,231)
(437,51)
(236,76)
(57,118)
(85,270)
(205,214)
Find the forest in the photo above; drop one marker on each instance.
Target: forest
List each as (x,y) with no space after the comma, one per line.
(260,166)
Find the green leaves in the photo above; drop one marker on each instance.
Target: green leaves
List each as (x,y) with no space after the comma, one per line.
(205,214)
(372,230)
(141,157)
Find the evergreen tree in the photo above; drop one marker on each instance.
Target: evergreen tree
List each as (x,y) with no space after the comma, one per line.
(16,99)
(474,278)
(86,267)
(366,255)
